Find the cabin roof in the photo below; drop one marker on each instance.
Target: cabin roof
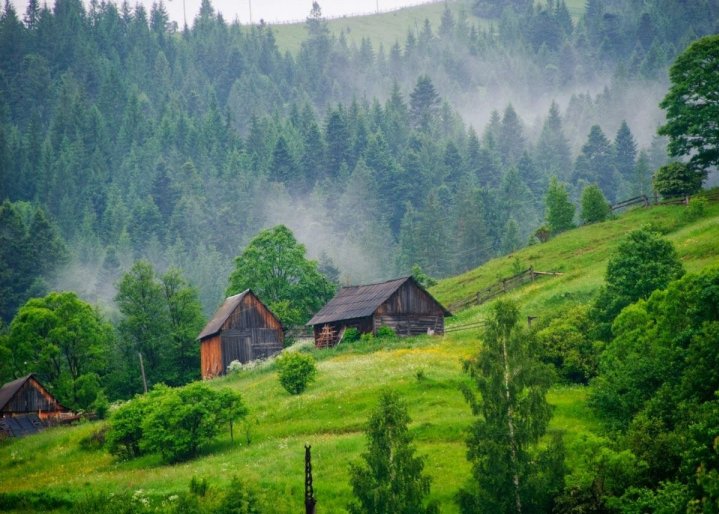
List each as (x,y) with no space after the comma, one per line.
(361,301)
(8,390)
(228,306)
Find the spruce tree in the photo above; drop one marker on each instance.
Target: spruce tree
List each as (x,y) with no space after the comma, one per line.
(390,478)
(596,164)
(560,211)
(625,152)
(424,104)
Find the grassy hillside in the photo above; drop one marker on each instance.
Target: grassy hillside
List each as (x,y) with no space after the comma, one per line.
(268,450)
(391,27)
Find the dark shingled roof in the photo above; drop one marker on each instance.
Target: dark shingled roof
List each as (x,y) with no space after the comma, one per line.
(215,324)
(361,301)
(8,390)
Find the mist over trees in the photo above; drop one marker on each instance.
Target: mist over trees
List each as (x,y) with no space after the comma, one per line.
(140,141)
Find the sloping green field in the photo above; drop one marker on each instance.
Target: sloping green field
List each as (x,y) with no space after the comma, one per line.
(390,27)
(268,449)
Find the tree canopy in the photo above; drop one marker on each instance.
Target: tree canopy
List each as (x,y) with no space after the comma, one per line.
(692,105)
(275,267)
(65,342)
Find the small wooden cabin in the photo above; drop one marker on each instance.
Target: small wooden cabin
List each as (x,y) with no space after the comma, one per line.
(26,406)
(242,329)
(401,304)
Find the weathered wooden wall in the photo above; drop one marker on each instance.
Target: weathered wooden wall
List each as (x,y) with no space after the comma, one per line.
(250,332)
(410,311)
(411,324)
(251,314)
(364,325)
(32,397)
(249,344)
(409,299)
(211,357)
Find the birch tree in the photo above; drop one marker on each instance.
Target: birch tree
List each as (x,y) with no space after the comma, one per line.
(512,414)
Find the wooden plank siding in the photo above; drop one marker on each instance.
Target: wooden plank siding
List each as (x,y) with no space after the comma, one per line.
(250,331)
(32,397)
(252,314)
(410,311)
(211,357)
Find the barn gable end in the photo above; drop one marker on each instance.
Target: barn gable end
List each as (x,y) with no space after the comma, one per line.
(242,329)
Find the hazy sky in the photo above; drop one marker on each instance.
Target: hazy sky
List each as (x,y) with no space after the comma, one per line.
(269,10)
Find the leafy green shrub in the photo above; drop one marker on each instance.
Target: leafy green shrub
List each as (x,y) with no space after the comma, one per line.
(101,405)
(125,434)
(296,370)
(239,499)
(367,337)
(595,207)
(566,344)
(198,486)
(386,333)
(351,335)
(676,179)
(695,209)
(176,423)
(184,420)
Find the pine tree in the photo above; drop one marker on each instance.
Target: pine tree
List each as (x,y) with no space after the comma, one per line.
(625,152)
(511,142)
(560,211)
(595,164)
(390,478)
(594,206)
(424,104)
(552,155)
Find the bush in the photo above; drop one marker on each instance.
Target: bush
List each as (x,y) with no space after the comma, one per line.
(367,337)
(677,179)
(239,499)
(351,335)
(184,420)
(125,434)
(565,343)
(176,423)
(386,333)
(695,209)
(296,370)
(594,206)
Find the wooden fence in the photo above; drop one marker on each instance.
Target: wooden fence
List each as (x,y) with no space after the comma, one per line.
(501,287)
(645,201)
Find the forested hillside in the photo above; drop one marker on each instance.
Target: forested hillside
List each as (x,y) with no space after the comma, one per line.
(134,139)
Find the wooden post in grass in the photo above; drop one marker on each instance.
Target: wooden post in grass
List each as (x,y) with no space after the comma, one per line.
(310,500)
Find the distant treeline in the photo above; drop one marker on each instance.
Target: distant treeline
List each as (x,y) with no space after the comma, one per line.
(139,141)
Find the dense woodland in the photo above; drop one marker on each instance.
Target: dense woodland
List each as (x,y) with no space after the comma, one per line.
(135,139)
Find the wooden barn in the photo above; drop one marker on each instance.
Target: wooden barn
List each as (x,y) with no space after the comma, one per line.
(26,406)
(242,329)
(401,304)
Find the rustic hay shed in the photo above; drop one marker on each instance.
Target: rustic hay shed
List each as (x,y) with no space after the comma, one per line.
(401,304)
(242,329)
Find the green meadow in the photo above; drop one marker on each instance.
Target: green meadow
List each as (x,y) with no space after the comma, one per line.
(391,27)
(267,450)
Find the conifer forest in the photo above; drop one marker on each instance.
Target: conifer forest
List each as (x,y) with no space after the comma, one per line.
(150,169)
